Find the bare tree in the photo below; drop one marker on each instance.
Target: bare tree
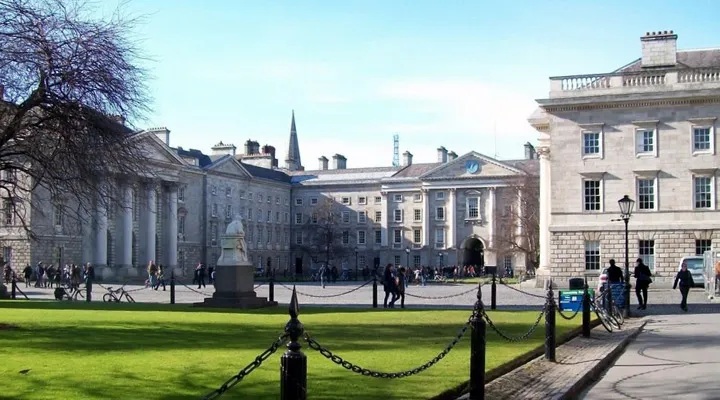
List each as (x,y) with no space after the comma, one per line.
(68,83)
(518,223)
(324,237)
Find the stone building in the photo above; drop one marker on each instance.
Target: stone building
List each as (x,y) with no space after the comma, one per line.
(440,213)
(647,130)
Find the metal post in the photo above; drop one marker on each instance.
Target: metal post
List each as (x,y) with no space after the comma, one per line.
(172,287)
(271,288)
(375,300)
(586,311)
(356,265)
(88,290)
(627,271)
(493,293)
(13,289)
(477,352)
(550,325)
(293,364)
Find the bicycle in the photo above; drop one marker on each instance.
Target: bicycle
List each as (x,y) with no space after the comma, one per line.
(345,276)
(610,319)
(112,295)
(68,292)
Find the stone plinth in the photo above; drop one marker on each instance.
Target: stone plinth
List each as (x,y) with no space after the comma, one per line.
(234,274)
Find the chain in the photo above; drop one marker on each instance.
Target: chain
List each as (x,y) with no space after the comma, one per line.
(193,290)
(522,291)
(508,337)
(259,284)
(563,315)
(257,362)
(325,352)
(474,289)
(324,296)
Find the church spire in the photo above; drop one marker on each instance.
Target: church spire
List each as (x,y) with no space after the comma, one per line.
(292,162)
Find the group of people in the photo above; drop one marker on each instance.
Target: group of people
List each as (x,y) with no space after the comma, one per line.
(156,276)
(394,285)
(200,273)
(51,276)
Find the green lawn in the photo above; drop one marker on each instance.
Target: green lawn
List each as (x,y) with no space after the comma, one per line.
(152,351)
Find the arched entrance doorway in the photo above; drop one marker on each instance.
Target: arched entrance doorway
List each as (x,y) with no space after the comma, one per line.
(473,252)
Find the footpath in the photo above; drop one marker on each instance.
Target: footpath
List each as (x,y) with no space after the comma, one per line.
(579,362)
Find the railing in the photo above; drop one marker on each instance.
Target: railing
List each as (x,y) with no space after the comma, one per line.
(699,75)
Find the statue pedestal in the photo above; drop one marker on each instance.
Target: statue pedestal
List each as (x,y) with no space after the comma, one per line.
(234,275)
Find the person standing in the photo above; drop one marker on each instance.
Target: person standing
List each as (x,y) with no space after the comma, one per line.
(684,277)
(201,275)
(152,274)
(160,277)
(401,287)
(717,277)
(643,279)
(390,286)
(321,273)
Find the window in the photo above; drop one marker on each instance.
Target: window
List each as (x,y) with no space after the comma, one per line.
(362,217)
(181,224)
(362,200)
(703,192)
(702,245)
(362,261)
(7,255)
(417,215)
(58,215)
(416,261)
(269,235)
(645,142)
(277,200)
(287,202)
(417,197)
(298,238)
(269,199)
(591,195)
(646,248)
(181,193)
(473,207)
(345,217)
(298,202)
(313,201)
(378,216)
(440,196)
(298,218)
(397,236)
(398,198)
(214,210)
(213,190)
(250,196)
(440,214)
(286,218)
(378,199)
(249,214)
(314,218)
(646,194)
(592,255)
(249,237)
(269,216)
(345,237)
(591,144)
(440,238)
(260,198)
(228,191)
(398,215)
(346,200)
(417,236)
(286,237)
(378,237)
(507,263)
(361,237)
(259,215)
(277,217)
(228,211)
(702,139)
(397,261)
(213,233)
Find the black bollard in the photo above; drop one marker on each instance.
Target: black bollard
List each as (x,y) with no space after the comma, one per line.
(293,364)
(13,289)
(271,288)
(586,311)
(88,290)
(375,289)
(550,325)
(493,293)
(477,352)
(172,287)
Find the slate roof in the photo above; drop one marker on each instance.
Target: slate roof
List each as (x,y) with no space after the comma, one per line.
(415,170)
(342,176)
(266,173)
(701,58)
(203,159)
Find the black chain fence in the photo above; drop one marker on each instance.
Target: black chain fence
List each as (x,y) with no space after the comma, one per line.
(325,296)
(511,338)
(474,289)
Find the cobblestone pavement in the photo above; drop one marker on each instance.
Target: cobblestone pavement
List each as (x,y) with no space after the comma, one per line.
(675,357)
(434,295)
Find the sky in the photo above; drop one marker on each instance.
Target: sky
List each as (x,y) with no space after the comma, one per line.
(453,73)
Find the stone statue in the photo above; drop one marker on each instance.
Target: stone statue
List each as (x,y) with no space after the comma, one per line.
(236,232)
(235,227)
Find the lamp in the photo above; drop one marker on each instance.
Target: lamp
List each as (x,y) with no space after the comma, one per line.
(626,208)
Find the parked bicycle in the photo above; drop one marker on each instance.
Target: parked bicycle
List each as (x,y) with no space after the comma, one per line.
(610,315)
(117,295)
(68,292)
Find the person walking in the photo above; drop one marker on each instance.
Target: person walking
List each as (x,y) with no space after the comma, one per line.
(717,277)
(200,269)
(160,277)
(321,273)
(27,274)
(401,287)
(614,277)
(390,286)
(643,279)
(684,277)
(152,274)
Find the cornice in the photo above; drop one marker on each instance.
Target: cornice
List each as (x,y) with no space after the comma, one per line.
(630,104)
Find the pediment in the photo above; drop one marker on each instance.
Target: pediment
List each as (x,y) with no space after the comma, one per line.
(155,150)
(471,165)
(229,165)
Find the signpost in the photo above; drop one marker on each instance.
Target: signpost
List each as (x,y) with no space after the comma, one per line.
(571,300)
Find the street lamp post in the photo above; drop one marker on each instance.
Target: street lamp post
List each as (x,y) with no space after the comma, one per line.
(407,258)
(626,208)
(356,264)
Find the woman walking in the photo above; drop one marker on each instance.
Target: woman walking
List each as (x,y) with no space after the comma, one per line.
(390,286)
(643,279)
(401,287)
(686,282)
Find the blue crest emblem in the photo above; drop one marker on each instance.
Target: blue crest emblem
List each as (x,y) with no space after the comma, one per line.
(472,166)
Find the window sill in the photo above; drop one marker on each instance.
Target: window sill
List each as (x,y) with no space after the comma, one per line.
(646,155)
(702,153)
(592,157)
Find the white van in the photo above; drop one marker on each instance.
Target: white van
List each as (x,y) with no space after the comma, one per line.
(695,265)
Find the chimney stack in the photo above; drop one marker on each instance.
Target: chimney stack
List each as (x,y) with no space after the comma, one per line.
(162,133)
(323,163)
(530,153)
(452,155)
(659,49)
(223,148)
(442,154)
(339,161)
(407,158)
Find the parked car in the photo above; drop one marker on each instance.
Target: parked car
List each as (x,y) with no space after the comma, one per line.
(696,267)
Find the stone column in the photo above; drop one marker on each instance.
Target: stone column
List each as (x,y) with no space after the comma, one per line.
(545,207)
(150,223)
(426,219)
(451,219)
(125,230)
(491,217)
(519,212)
(101,226)
(172,227)
(87,237)
(384,220)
